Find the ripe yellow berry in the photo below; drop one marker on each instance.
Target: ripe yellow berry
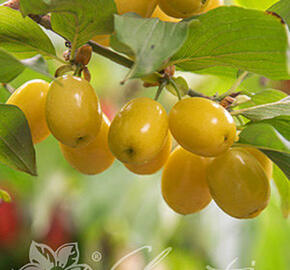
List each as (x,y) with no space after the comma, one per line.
(156,163)
(73,111)
(94,158)
(202,126)
(238,183)
(31,99)
(139,131)
(184,185)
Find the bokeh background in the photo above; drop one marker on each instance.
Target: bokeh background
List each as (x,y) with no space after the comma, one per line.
(117,212)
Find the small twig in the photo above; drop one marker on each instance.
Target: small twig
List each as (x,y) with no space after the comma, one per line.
(42,20)
(235,85)
(15,4)
(193,93)
(160,88)
(113,56)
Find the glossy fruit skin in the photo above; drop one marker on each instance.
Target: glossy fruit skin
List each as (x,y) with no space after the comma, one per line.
(182,8)
(265,162)
(158,13)
(94,158)
(156,164)
(31,99)
(144,8)
(202,126)
(184,185)
(139,131)
(73,111)
(238,184)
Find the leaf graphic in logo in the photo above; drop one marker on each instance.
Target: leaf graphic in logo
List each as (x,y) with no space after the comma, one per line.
(67,255)
(79,267)
(41,255)
(30,267)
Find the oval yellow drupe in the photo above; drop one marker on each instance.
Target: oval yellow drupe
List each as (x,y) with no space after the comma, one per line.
(139,131)
(73,111)
(238,183)
(202,126)
(94,158)
(31,99)
(184,185)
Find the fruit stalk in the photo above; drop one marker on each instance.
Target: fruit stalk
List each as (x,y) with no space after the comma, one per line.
(237,83)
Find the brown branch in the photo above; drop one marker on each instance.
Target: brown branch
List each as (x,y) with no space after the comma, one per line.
(15,4)
(43,20)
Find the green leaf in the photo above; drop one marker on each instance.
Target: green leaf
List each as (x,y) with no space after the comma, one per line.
(236,38)
(260,4)
(152,41)
(38,64)
(283,187)
(266,111)
(268,135)
(77,21)
(11,67)
(282,160)
(16,147)
(4,196)
(182,85)
(272,137)
(283,9)
(22,36)
(263,97)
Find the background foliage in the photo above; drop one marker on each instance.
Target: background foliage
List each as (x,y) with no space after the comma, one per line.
(117,212)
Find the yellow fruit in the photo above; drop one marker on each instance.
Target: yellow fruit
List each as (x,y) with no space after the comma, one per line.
(158,13)
(156,163)
(238,184)
(184,185)
(266,163)
(94,158)
(138,132)
(183,8)
(144,8)
(202,126)
(31,99)
(73,111)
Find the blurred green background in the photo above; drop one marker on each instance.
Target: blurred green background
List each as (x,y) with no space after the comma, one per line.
(117,212)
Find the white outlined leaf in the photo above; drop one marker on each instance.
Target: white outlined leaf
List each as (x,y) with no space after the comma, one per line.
(30,267)
(67,255)
(79,267)
(42,255)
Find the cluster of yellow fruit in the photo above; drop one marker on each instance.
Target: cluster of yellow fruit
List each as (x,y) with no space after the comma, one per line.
(203,167)
(165,10)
